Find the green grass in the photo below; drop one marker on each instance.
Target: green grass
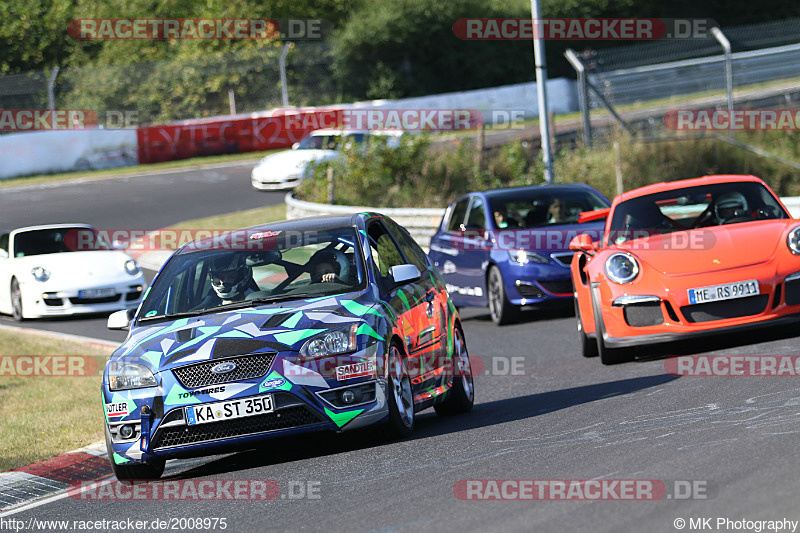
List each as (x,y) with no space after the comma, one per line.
(129,171)
(46,415)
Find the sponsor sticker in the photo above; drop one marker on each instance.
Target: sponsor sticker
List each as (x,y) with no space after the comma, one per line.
(117,409)
(355,370)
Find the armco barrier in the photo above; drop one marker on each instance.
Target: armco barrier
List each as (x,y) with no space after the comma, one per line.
(420,223)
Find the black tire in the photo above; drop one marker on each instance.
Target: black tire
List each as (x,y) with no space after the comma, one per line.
(588,346)
(500,309)
(136,471)
(461,396)
(608,356)
(400,397)
(16,301)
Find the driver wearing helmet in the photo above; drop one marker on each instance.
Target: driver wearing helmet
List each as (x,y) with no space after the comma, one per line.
(231,278)
(730,205)
(328,266)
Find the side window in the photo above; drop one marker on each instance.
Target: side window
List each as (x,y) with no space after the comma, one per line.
(384,252)
(410,248)
(4,242)
(457,216)
(477,214)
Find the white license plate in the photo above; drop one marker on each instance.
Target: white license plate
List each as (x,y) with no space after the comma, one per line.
(726,291)
(96,293)
(214,412)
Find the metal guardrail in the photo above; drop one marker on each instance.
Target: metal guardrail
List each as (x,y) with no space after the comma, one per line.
(651,82)
(420,223)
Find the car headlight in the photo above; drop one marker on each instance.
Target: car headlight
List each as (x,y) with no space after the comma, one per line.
(40,274)
(622,268)
(124,376)
(333,342)
(523,257)
(301,164)
(793,240)
(131,267)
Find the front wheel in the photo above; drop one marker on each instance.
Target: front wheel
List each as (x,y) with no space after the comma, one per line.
(137,471)
(588,346)
(401,396)
(500,309)
(16,300)
(461,395)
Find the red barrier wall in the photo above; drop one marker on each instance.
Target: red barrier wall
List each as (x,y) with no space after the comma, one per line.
(238,134)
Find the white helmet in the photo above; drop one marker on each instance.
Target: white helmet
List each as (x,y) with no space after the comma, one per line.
(731,204)
(230,275)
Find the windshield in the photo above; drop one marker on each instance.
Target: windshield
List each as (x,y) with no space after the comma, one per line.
(291,266)
(694,207)
(57,240)
(543,207)
(328,142)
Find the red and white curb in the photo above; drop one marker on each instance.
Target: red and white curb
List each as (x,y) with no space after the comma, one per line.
(52,477)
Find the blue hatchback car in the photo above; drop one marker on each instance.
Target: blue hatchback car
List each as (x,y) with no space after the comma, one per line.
(318,324)
(508,248)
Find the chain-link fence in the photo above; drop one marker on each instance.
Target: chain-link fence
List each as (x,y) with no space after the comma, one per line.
(691,73)
(141,94)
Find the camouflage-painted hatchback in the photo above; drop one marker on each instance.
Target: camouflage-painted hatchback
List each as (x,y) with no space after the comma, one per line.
(317,324)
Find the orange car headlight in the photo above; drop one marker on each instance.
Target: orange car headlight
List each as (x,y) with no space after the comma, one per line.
(622,268)
(793,240)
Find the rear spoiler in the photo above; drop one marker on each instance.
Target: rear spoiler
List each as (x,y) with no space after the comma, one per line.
(591,216)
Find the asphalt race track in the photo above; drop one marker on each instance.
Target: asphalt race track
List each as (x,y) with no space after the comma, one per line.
(720,447)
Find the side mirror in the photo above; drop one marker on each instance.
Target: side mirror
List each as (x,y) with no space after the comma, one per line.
(3,254)
(120,319)
(582,243)
(295,145)
(404,273)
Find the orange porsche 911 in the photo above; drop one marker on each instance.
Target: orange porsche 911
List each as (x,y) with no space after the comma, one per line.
(683,259)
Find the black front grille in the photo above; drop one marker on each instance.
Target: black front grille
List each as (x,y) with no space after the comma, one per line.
(530,291)
(752,305)
(558,286)
(104,300)
(290,417)
(643,314)
(565,258)
(793,292)
(247,367)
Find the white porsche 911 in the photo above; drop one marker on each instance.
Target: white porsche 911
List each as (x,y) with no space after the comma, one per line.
(64,269)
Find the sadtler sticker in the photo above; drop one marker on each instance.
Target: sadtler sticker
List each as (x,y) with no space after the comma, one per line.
(273,383)
(117,409)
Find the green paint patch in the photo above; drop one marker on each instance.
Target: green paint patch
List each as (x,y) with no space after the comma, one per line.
(342,419)
(404,298)
(292,337)
(358,309)
(366,329)
(173,398)
(292,321)
(152,357)
(118,459)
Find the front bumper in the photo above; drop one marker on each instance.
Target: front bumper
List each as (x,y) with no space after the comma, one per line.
(636,319)
(39,302)
(302,402)
(275,183)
